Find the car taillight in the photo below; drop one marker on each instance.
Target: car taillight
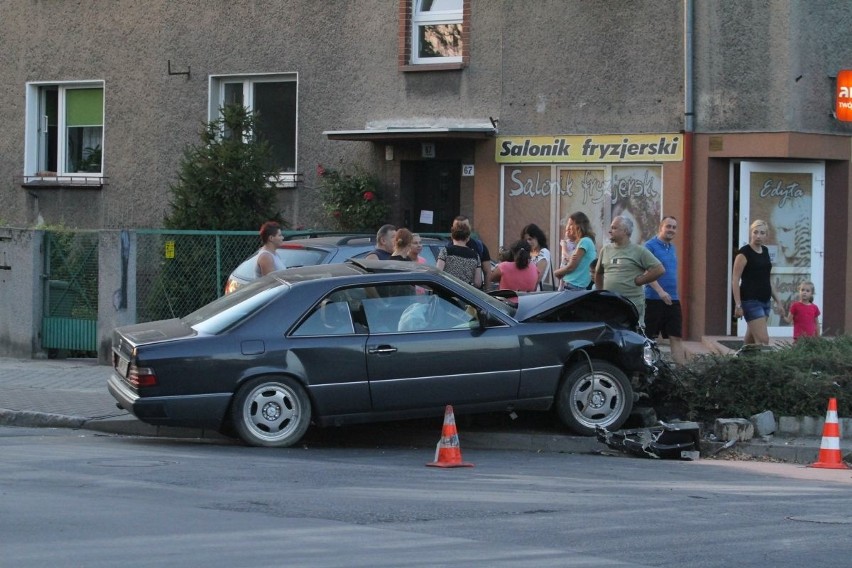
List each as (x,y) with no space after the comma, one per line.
(141,376)
(231,286)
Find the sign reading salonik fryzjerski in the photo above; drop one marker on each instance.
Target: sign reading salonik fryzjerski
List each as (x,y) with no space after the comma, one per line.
(589,148)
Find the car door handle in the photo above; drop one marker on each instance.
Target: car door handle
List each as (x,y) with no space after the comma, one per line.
(381,349)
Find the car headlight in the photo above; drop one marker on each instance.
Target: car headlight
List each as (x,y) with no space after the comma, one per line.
(650,354)
(232,285)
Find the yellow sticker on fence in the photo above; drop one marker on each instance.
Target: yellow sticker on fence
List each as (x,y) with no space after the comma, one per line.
(170,249)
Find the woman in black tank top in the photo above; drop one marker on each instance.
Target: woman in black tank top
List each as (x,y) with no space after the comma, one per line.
(751,285)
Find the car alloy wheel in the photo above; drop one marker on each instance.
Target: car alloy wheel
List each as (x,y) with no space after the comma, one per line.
(272,412)
(589,399)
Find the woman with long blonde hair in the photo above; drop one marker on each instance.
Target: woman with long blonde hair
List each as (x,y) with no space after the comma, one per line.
(751,285)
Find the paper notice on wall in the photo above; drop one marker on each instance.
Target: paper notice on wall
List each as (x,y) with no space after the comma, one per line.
(426,217)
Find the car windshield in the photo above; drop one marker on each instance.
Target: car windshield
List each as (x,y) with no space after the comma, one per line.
(291,257)
(223,313)
(300,256)
(496,303)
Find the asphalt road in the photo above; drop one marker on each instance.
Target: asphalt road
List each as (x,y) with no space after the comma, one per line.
(77,498)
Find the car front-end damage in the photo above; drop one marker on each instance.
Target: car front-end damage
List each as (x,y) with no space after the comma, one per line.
(638,355)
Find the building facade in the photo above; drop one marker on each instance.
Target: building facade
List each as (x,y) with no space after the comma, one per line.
(510,112)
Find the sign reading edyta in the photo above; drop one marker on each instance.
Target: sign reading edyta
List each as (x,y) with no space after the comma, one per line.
(600,148)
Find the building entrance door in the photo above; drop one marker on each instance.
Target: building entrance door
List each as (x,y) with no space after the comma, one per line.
(790,197)
(436,193)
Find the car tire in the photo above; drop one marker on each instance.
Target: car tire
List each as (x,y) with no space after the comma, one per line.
(271,412)
(586,399)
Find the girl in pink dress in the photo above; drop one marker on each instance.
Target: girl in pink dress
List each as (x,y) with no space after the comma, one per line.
(804,314)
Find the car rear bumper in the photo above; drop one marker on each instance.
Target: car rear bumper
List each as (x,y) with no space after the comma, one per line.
(193,411)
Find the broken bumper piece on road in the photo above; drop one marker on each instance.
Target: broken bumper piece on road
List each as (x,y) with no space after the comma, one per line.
(674,441)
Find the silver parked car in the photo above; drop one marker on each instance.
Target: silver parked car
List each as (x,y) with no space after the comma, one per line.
(324,250)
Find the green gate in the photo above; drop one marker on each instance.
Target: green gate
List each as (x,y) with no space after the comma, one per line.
(70,292)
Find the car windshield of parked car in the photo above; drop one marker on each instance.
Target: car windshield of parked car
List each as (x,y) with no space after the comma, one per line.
(497,304)
(291,257)
(300,256)
(223,313)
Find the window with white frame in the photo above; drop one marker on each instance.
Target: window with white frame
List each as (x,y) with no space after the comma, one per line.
(436,31)
(64,129)
(273,98)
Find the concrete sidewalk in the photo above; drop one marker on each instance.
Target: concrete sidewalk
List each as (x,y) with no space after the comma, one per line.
(72,393)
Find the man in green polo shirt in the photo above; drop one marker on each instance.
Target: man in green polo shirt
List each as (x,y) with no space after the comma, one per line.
(626,267)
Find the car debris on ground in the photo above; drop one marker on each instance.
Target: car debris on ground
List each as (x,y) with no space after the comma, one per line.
(668,440)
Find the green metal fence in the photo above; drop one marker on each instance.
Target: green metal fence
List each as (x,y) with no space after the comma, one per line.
(177,272)
(70,310)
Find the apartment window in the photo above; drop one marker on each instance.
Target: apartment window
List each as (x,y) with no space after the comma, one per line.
(65,130)
(434,35)
(274,100)
(436,31)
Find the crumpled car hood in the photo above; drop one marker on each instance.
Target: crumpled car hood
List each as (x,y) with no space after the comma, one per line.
(583,305)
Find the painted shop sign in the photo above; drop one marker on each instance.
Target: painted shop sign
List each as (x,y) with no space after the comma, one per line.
(595,148)
(843,100)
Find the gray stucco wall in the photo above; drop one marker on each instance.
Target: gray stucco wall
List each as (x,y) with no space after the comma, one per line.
(116,286)
(542,67)
(20,291)
(769,66)
(549,66)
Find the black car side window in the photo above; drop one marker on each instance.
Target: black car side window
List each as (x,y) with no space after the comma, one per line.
(328,318)
(396,308)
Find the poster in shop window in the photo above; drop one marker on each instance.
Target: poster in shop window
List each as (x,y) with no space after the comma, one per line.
(634,192)
(637,195)
(547,195)
(528,199)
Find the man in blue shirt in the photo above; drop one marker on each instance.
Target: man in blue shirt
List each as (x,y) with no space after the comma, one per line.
(663,314)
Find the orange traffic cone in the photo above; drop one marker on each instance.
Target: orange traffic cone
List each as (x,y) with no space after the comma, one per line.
(448,452)
(829,448)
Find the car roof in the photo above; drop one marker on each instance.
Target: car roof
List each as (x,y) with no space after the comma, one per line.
(352,267)
(328,249)
(331,241)
(347,239)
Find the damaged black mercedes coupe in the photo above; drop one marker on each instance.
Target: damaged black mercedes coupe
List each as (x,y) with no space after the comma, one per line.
(368,341)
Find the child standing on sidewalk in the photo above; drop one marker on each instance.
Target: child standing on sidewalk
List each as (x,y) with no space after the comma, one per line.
(804,314)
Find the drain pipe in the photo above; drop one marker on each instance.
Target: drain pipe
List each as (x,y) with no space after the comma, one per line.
(688,130)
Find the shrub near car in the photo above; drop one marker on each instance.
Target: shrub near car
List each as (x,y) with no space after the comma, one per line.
(368,341)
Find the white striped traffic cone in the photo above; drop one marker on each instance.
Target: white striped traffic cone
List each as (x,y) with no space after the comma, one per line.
(448,452)
(829,449)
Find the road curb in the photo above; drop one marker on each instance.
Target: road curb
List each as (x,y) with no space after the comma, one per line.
(797,450)
(30,419)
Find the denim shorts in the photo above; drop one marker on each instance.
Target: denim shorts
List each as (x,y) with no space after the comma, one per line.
(755,309)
